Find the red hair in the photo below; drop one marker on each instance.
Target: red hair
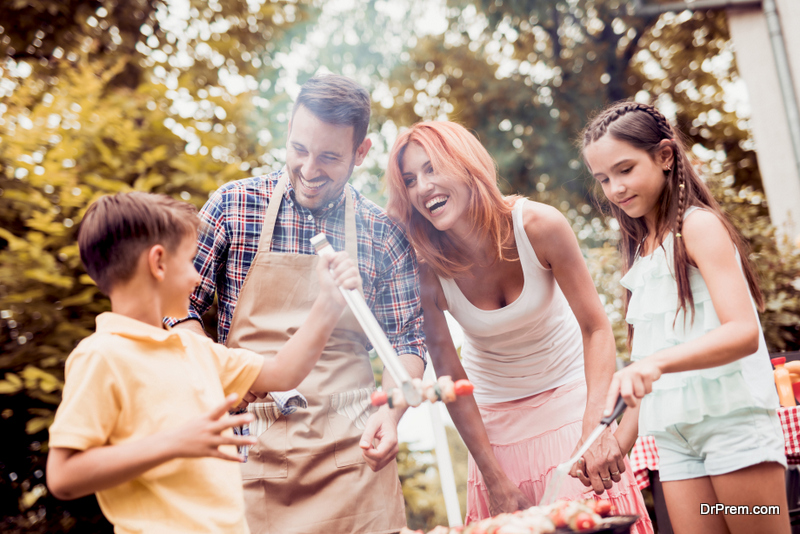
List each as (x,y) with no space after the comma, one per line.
(455,153)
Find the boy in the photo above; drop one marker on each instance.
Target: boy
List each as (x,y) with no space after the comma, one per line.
(143,421)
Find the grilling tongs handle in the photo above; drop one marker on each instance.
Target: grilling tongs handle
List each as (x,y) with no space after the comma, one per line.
(618,409)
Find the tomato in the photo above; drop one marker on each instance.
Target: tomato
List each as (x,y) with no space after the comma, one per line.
(558,519)
(464,387)
(584,521)
(378,398)
(603,507)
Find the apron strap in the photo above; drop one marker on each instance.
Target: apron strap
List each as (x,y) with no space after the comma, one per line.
(350,237)
(268,229)
(265,243)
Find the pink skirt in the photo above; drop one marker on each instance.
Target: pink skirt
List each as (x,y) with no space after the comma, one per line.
(530,437)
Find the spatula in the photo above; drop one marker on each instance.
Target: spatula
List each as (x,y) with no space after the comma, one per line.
(562,470)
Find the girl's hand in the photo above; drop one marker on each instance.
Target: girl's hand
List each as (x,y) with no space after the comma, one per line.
(633,382)
(335,271)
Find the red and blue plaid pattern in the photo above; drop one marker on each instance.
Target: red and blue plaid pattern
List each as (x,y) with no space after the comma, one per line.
(232,221)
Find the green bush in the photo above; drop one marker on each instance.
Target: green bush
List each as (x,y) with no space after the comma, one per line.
(777,261)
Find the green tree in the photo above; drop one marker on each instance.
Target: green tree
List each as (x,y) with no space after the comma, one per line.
(525,76)
(422,487)
(100,97)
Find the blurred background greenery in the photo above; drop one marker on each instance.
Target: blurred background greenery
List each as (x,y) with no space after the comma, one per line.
(181,96)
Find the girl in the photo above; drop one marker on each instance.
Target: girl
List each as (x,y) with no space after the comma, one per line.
(539,347)
(700,364)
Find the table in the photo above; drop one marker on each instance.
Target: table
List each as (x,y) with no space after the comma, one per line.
(644,455)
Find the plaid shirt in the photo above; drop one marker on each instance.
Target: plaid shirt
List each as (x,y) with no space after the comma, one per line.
(233,218)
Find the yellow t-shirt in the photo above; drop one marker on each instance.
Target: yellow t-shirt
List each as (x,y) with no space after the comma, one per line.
(130,380)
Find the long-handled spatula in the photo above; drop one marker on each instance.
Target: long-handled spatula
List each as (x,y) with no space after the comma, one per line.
(562,470)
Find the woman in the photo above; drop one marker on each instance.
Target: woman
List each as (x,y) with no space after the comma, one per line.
(538,345)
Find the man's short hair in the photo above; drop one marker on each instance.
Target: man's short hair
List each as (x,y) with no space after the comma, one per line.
(116,229)
(337,100)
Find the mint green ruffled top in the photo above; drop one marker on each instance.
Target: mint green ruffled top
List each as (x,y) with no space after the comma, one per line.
(688,396)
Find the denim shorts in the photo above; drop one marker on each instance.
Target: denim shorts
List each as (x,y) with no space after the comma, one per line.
(720,445)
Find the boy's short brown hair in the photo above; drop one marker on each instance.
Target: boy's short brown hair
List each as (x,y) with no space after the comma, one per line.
(116,229)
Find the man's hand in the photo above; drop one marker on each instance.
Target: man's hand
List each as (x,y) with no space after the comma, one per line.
(193,325)
(379,440)
(381,428)
(602,465)
(249,398)
(203,436)
(505,497)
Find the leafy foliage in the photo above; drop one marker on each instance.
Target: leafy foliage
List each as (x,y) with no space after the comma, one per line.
(99,96)
(525,76)
(141,107)
(777,262)
(422,488)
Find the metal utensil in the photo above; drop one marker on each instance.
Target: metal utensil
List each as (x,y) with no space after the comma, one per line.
(373,330)
(562,470)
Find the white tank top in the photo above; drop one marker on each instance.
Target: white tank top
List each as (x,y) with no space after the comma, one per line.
(532,345)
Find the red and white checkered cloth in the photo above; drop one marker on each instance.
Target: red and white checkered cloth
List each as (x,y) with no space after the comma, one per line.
(644,458)
(790,424)
(644,455)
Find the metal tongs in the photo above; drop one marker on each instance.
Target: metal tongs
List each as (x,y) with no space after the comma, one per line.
(562,470)
(373,330)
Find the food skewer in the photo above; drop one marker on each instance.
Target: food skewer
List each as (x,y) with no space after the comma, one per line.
(373,330)
(444,390)
(562,516)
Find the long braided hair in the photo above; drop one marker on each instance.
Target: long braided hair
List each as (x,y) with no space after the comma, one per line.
(644,127)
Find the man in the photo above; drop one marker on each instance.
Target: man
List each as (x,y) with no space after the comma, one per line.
(328,467)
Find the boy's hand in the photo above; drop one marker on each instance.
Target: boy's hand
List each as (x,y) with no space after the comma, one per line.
(75,473)
(335,271)
(202,437)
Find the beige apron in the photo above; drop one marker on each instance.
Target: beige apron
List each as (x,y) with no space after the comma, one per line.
(306,474)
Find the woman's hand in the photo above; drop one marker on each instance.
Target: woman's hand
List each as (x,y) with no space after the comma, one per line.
(505,497)
(633,383)
(602,465)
